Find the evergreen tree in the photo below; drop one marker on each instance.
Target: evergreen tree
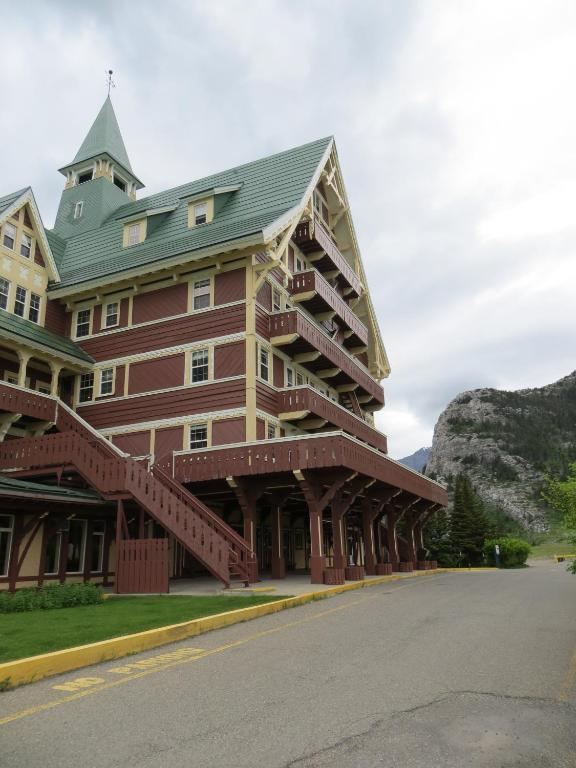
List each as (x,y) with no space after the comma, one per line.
(437,539)
(468,524)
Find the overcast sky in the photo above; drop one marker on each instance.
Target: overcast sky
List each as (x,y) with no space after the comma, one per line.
(455,123)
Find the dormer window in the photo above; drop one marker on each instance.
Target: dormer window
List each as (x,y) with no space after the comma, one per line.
(85,176)
(78,209)
(134,233)
(120,183)
(200,213)
(25,245)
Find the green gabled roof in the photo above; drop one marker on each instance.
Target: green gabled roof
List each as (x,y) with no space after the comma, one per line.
(104,137)
(57,246)
(269,188)
(16,486)
(8,200)
(17,326)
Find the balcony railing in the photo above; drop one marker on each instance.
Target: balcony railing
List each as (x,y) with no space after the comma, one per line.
(313,289)
(296,400)
(289,454)
(293,328)
(316,237)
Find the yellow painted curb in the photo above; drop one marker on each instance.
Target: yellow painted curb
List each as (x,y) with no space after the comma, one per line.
(35,668)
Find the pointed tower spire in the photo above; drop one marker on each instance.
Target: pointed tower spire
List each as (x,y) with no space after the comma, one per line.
(104,137)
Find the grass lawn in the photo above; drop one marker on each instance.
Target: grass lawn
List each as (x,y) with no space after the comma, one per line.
(557,542)
(33,632)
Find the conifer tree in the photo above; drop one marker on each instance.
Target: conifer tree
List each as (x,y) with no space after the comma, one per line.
(437,539)
(468,524)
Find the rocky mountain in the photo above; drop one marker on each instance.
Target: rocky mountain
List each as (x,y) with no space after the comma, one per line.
(416,460)
(506,442)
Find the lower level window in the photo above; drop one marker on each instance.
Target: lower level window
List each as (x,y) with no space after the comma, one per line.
(76,546)
(20,301)
(52,555)
(198,436)
(34,308)
(4,291)
(97,548)
(106,381)
(271,431)
(6,527)
(200,370)
(86,387)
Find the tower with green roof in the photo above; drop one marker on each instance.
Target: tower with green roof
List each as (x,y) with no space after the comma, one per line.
(99,179)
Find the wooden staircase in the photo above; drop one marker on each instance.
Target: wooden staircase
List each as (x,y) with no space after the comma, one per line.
(350,401)
(206,536)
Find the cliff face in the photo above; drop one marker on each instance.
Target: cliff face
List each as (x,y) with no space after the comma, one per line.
(506,442)
(416,460)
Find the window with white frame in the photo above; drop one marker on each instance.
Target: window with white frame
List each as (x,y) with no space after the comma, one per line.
(300,264)
(76,546)
(86,387)
(201,294)
(276,300)
(6,528)
(83,323)
(289,377)
(299,379)
(264,364)
(321,207)
(52,553)
(200,213)
(97,546)
(44,389)
(20,301)
(107,381)
(198,436)
(11,378)
(111,315)
(134,234)
(9,236)
(79,209)
(4,293)
(200,366)
(271,432)
(25,245)
(34,308)
(85,176)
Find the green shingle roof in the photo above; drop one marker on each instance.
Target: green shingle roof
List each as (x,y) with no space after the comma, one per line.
(17,486)
(25,329)
(104,137)
(8,200)
(270,187)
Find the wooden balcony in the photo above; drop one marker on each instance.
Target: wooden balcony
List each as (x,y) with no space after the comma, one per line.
(298,403)
(314,239)
(311,346)
(292,454)
(315,293)
(26,403)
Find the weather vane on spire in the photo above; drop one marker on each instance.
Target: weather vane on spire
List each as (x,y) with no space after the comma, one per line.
(110,82)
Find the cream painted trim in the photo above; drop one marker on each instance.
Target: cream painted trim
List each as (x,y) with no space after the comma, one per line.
(175,422)
(209,202)
(105,306)
(98,381)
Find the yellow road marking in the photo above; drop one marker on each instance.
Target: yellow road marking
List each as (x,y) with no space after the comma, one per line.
(569,680)
(145,673)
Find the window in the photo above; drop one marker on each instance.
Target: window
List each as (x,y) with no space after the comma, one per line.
(52,554)
(83,323)
(4,291)
(44,389)
(97,548)
(198,436)
(200,370)
(20,301)
(78,209)
(120,183)
(300,264)
(6,526)
(34,308)
(107,381)
(76,546)
(271,431)
(321,207)
(10,378)
(299,379)
(85,176)
(111,315)
(201,294)
(134,234)
(25,245)
(263,364)
(9,236)
(200,213)
(289,377)
(276,300)
(86,387)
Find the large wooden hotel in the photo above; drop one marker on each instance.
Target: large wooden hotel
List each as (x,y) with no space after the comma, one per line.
(189,381)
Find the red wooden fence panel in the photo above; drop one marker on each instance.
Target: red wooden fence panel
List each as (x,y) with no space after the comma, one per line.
(142,566)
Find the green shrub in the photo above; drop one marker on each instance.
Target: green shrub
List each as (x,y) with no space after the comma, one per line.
(513,552)
(52,596)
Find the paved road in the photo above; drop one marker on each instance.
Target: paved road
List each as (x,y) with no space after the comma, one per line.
(445,671)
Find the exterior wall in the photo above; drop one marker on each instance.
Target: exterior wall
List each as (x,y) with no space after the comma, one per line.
(152,375)
(228,431)
(229,287)
(135,443)
(158,304)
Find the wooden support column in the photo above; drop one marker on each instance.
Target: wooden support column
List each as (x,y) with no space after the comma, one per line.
(120,523)
(17,536)
(339,509)
(23,359)
(278,562)
(247,492)
(55,371)
(369,515)
(391,540)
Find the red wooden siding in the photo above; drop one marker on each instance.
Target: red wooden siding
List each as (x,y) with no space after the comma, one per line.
(264,296)
(56,318)
(38,259)
(120,374)
(97,318)
(278,371)
(178,330)
(161,373)
(214,396)
(266,398)
(136,444)
(168,440)
(229,360)
(262,323)
(142,566)
(123,313)
(230,286)
(260,430)
(162,303)
(229,431)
